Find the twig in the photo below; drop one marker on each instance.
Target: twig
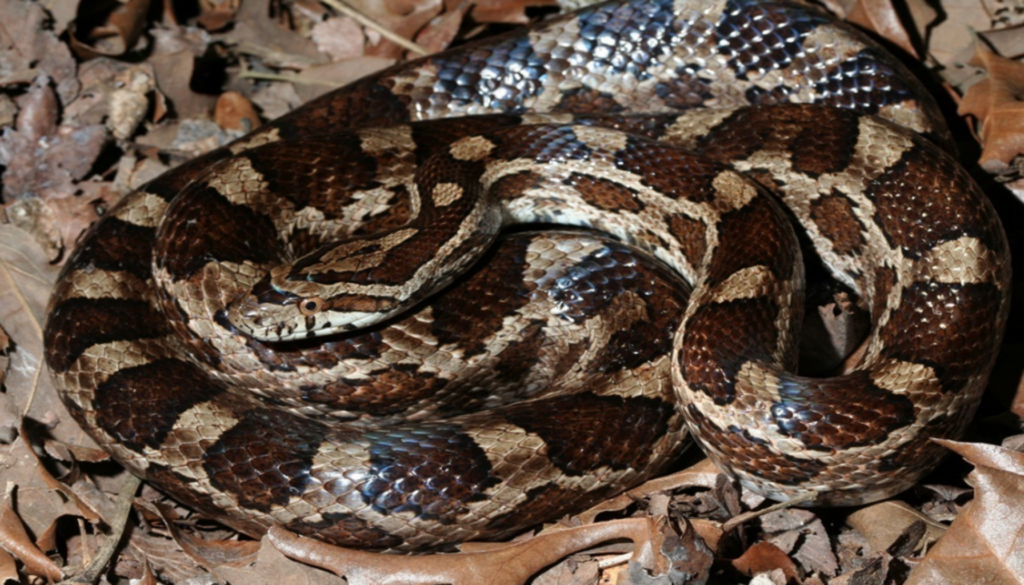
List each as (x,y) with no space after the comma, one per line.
(300,79)
(123,506)
(372,24)
(740,519)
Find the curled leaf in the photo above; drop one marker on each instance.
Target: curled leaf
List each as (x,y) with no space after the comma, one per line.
(998,103)
(988,537)
(508,565)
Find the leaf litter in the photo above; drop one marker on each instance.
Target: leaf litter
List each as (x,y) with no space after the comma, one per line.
(99,97)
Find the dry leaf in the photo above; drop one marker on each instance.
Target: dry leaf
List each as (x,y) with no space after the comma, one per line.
(14,538)
(26,278)
(217,14)
(404,18)
(509,565)
(440,32)
(118,32)
(988,537)
(258,34)
(802,536)
(703,474)
(8,568)
(235,112)
(210,554)
(884,522)
(271,568)
(764,557)
(951,34)
(339,38)
(1006,41)
(998,103)
(881,17)
(29,48)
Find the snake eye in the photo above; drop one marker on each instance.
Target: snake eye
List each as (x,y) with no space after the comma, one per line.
(311,306)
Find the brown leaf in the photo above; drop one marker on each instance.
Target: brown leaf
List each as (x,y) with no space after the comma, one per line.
(117,34)
(951,34)
(333,75)
(44,161)
(216,14)
(510,11)
(207,553)
(703,474)
(235,112)
(26,278)
(8,568)
(1006,41)
(339,38)
(405,18)
(509,565)
(257,33)
(764,557)
(988,537)
(28,48)
(884,522)
(271,568)
(173,73)
(801,535)
(440,32)
(14,538)
(880,16)
(998,104)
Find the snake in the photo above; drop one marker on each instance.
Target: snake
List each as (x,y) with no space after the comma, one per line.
(350,323)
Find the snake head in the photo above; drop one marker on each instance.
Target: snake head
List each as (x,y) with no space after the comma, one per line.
(271,313)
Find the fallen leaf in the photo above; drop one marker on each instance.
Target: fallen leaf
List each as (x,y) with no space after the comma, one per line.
(1006,41)
(703,474)
(14,538)
(339,38)
(764,557)
(508,11)
(271,567)
(173,73)
(440,32)
(115,35)
(998,104)
(235,112)
(211,554)
(26,278)
(217,14)
(988,537)
(29,47)
(8,568)
(881,17)
(802,536)
(256,33)
(884,522)
(404,18)
(509,565)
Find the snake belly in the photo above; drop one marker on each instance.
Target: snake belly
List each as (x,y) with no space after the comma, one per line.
(587,119)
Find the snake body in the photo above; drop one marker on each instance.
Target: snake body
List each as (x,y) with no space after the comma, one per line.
(257,333)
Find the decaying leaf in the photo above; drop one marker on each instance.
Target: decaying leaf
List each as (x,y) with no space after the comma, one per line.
(15,540)
(998,103)
(988,538)
(29,48)
(883,523)
(512,564)
(764,557)
(881,16)
(118,31)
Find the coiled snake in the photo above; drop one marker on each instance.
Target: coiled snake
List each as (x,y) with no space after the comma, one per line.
(185,333)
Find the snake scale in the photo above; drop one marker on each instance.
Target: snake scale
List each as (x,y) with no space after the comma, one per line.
(257,332)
